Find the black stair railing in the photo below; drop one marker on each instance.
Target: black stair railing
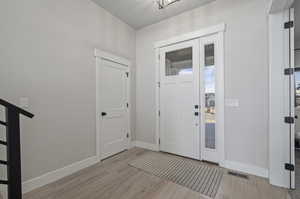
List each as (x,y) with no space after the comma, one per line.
(13,149)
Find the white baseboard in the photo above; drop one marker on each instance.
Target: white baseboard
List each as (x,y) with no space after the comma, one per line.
(53,176)
(132,144)
(145,145)
(246,168)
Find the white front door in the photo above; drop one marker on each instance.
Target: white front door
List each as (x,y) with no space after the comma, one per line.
(113,107)
(191,99)
(179,99)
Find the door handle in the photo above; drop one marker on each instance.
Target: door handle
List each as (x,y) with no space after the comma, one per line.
(103,114)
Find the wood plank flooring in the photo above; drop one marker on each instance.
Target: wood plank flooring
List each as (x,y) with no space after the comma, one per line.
(115,179)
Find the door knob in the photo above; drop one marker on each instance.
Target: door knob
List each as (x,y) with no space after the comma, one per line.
(103,114)
(296,116)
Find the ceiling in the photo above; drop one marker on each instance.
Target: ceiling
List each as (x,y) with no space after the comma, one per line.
(140,13)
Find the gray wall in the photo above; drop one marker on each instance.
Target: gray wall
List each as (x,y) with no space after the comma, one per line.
(246,74)
(46,54)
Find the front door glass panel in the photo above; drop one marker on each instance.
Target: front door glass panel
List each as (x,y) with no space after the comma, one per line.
(210,91)
(179,62)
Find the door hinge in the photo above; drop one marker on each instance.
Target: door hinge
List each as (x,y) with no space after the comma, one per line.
(127,74)
(289,167)
(288,25)
(159,113)
(127,135)
(288,71)
(127,105)
(158,83)
(159,141)
(289,120)
(158,57)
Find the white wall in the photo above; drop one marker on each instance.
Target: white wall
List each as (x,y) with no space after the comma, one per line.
(47,55)
(246,74)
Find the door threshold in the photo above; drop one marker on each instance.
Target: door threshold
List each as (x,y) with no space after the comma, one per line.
(209,162)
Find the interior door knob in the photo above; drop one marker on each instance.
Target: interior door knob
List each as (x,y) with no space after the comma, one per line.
(103,114)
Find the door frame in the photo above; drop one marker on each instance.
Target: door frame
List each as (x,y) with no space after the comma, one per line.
(219,30)
(281,146)
(102,55)
(292,99)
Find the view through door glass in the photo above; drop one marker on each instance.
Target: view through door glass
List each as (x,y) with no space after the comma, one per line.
(179,62)
(209,81)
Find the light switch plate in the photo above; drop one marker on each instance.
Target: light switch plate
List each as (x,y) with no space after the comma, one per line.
(232,102)
(24,102)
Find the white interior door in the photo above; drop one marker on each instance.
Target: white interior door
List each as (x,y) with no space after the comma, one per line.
(113,109)
(179,99)
(209,95)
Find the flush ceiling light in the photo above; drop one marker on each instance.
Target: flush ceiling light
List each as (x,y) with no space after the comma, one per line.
(164,3)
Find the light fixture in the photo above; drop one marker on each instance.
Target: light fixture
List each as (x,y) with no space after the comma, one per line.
(164,3)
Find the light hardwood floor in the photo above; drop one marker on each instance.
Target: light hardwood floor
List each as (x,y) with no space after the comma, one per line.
(115,179)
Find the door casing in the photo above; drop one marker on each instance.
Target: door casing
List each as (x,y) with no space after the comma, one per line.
(218,30)
(101,55)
